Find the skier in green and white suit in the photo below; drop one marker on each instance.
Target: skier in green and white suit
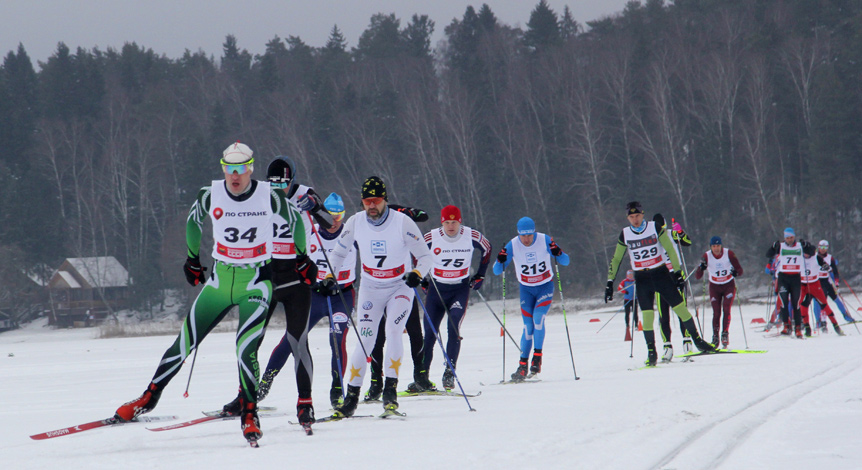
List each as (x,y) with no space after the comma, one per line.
(240,210)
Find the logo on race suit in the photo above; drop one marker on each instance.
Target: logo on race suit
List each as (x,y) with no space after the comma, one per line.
(402,296)
(413,236)
(313,248)
(437,251)
(364,318)
(457,304)
(367,332)
(340,317)
(531,257)
(217,213)
(648,241)
(378,247)
(401,317)
(367,306)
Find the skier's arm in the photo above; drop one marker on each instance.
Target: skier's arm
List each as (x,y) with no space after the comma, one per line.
(703,262)
(735,263)
(282,206)
(482,243)
(416,215)
(301,195)
(343,245)
(500,267)
(195,222)
(773,250)
(418,248)
(556,251)
(619,253)
(666,242)
(835,269)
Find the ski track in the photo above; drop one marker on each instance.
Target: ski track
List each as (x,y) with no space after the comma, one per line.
(728,433)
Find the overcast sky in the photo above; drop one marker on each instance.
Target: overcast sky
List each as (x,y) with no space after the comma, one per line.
(171,26)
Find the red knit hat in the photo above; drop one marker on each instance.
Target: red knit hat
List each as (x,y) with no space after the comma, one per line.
(450,213)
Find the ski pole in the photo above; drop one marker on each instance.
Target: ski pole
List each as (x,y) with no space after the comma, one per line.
(194,357)
(739,304)
(634,319)
(504,325)
(338,289)
(854,294)
(498,320)
(615,314)
(442,348)
(335,345)
(565,321)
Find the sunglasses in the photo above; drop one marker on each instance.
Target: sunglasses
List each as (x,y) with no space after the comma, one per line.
(372,201)
(238,169)
(278,184)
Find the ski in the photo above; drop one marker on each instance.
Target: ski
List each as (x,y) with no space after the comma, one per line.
(220,413)
(387,414)
(438,393)
(526,381)
(207,419)
(684,360)
(112,421)
(332,418)
(724,351)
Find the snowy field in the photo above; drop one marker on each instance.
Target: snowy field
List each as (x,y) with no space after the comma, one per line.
(796,407)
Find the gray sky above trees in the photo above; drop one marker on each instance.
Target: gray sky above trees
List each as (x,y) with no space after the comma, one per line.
(172,26)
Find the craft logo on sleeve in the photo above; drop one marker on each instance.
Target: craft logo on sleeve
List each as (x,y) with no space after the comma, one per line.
(378,247)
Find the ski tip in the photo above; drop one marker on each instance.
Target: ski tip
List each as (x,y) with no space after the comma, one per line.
(253,443)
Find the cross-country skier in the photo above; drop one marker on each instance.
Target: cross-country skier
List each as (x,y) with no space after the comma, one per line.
(241,211)
(827,278)
(627,287)
(722,268)
(414,332)
(322,300)
(810,289)
(532,253)
(385,240)
(789,267)
(680,239)
(452,247)
(644,242)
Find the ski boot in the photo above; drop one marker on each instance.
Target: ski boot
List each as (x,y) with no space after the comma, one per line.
(715,338)
(390,394)
(143,404)
(374,391)
(786,330)
(521,374)
(823,328)
(448,379)
(807,330)
(798,331)
(421,383)
(265,383)
(652,355)
(348,407)
(725,339)
(249,422)
(536,363)
(305,412)
(667,356)
(234,408)
(335,391)
(837,329)
(686,345)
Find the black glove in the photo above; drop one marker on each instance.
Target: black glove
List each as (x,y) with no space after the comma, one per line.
(502,256)
(412,279)
(328,283)
(702,266)
(425,283)
(195,274)
(679,280)
(325,291)
(555,250)
(306,269)
(609,291)
(733,272)
(476,281)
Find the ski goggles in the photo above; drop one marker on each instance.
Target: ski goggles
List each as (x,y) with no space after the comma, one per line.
(278,183)
(337,215)
(372,201)
(238,168)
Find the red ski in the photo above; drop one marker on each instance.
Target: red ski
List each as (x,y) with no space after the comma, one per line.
(98,424)
(210,418)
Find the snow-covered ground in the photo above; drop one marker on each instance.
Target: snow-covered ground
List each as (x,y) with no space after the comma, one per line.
(796,407)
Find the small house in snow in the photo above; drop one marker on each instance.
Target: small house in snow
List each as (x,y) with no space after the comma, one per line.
(84,291)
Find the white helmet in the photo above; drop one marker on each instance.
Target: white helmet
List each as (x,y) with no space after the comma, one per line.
(237,154)
(823,244)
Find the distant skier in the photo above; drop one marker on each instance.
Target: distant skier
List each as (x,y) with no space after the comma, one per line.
(452,247)
(532,253)
(644,242)
(827,278)
(789,267)
(722,268)
(810,289)
(627,287)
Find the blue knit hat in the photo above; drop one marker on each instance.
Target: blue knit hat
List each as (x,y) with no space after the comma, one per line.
(333,203)
(526,226)
(788,232)
(716,240)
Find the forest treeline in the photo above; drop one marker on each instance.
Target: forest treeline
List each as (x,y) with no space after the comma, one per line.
(735,117)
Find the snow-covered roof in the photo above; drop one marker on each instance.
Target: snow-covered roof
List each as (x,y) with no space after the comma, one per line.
(101,271)
(69,279)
